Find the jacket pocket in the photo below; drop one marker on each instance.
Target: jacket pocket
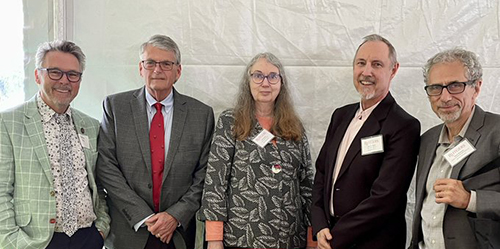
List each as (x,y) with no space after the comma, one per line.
(23,216)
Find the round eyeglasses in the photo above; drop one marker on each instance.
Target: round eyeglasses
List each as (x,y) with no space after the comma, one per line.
(272,78)
(57,74)
(164,65)
(452,88)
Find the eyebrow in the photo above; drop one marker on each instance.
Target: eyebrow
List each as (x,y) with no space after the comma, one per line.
(450,82)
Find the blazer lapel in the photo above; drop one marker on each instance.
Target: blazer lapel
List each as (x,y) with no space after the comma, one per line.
(338,135)
(140,116)
(426,157)
(179,119)
(34,128)
(472,135)
(369,128)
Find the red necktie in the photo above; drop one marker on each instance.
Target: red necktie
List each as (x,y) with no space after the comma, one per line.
(157,143)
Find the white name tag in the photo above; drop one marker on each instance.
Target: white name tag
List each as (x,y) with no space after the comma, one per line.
(459,152)
(263,138)
(372,145)
(84,141)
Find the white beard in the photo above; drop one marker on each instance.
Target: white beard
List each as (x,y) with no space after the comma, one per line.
(450,117)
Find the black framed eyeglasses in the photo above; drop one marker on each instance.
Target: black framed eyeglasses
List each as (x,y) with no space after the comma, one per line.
(272,78)
(452,88)
(164,65)
(57,74)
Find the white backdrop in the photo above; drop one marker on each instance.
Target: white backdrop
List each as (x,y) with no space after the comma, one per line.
(315,40)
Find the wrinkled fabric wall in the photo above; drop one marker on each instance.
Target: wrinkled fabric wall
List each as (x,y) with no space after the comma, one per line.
(315,40)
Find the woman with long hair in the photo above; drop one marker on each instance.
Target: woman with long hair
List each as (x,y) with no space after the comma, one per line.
(259,175)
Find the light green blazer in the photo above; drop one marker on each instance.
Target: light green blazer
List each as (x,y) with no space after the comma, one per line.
(27,199)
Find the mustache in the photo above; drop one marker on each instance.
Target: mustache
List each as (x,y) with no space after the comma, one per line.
(447,104)
(366,78)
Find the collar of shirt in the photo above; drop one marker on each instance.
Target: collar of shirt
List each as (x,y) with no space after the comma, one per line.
(46,112)
(168,102)
(364,114)
(443,136)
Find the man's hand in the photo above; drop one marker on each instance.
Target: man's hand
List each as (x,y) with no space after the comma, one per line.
(452,192)
(162,225)
(215,245)
(324,237)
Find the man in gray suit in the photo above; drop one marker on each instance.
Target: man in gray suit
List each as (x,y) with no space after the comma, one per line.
(457,198)
(153,150)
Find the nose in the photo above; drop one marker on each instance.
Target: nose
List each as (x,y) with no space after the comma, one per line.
(367,70)
(157,68)
(445,95)
(265,82)
(64,79)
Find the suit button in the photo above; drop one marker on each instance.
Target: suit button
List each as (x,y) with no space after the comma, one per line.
(149,185)
(52,221)
(52,193)
(337,189)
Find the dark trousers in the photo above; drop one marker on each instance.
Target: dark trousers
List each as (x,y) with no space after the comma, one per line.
(84,238)
(155,243)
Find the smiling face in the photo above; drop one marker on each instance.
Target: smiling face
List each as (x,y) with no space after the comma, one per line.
(373,72)
(58,94)
(159,82)
(264,93)
(453,109)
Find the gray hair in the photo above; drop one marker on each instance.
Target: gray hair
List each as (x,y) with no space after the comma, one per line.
(473,69)
(245,95)
(61,46)
(375,37)
(162,42)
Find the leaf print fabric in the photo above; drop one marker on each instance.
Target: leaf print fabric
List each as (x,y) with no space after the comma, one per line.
(259,208)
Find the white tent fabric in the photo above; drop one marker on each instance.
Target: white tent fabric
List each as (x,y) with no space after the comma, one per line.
(315,39)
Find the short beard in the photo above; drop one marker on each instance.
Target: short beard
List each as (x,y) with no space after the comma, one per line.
(367,95)
(450,117)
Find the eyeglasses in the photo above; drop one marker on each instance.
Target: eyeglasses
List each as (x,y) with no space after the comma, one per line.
(272,78)
(164,65)
(57,74)
(452,88)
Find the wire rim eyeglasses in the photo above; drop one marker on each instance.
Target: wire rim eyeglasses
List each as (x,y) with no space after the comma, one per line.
(272,78)
(164,65)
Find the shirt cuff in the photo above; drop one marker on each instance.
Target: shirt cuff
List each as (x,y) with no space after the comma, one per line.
(310,241)
(214,230)
(141,223)
(472,202)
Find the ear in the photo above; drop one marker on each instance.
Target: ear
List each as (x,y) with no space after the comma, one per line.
(179,72)
(37,77)
(140,69)
(394,70)
(477,88)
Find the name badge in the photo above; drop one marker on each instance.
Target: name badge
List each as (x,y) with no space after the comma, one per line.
(372,145)
(84,141)
(459,152)
(263,138)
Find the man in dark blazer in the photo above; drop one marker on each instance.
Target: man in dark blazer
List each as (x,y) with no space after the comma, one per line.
(457,200)
(366,164)
(153,201)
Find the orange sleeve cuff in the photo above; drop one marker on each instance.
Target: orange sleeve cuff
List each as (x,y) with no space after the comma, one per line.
(214,230)
(310,241)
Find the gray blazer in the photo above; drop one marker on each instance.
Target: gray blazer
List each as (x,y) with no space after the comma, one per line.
(484,135)
(124,165)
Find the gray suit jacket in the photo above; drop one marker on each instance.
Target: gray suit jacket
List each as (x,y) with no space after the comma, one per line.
(484,134)
(124,165)
(27,203)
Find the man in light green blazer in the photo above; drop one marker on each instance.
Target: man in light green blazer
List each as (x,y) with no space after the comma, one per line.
(49,197)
